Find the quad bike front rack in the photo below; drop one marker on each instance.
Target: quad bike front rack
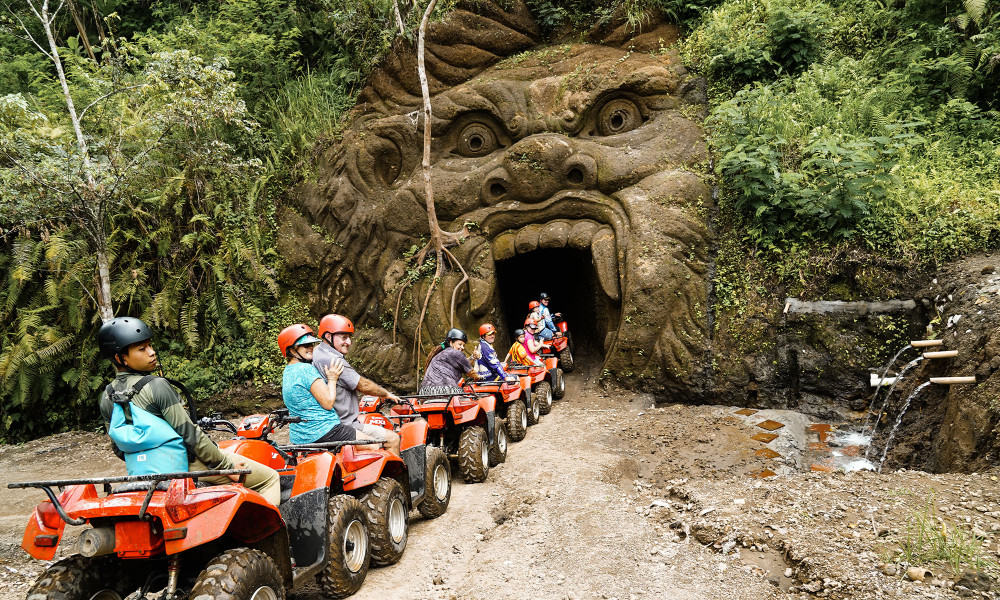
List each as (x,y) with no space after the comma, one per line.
(105,482)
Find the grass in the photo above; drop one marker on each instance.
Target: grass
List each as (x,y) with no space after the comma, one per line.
(929,539)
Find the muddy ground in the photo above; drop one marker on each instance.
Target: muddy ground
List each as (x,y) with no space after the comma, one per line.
(610,497)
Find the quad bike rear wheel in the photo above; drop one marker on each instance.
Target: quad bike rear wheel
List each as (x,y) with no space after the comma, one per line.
(82,578)
(498,450)
(566,359)
(517,420)
(239,574)
(534,413)
(543,395)
(386,507)
(438,484)
(349,551)
(558,384)
(473,454)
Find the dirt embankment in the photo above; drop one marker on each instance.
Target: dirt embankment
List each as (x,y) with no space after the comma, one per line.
(610,498)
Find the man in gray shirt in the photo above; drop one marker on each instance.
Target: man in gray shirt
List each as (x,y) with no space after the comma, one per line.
(336,332)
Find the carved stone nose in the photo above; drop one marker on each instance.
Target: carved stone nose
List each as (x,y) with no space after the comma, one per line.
(538,167)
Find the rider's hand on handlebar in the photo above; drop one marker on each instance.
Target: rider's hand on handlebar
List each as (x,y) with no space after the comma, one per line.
(393,399)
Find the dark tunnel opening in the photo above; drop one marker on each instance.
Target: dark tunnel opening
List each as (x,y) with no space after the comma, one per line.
(569,277)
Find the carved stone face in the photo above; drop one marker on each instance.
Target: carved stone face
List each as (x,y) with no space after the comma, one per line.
(586,156)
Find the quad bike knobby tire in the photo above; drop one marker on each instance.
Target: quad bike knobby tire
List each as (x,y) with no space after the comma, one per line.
(517,421)
(239,574)
(498,450)
(386,507)
(473,454)
(566,359)
(349,552)
(438,483)
(543,396)
(82,578)
(534,414)
(558,384)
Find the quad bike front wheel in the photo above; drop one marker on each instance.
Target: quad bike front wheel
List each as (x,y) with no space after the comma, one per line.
(566,359)
(498,451)
(543,396)
(534,412)
(386,507)
(438,484)
(473,454)
(349,553)
(517,420)
(558,384)
(82,578)
(239,574)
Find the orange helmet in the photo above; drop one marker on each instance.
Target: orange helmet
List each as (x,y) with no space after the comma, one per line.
(530,322)
(533,305)
(293,336)
(485,329)
(335,324)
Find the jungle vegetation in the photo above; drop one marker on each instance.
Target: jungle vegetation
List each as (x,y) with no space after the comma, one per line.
(840,126)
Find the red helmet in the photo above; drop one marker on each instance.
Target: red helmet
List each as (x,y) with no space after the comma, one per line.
(335,324)
(292,334)
(533,305)
(530,322)
(485,329)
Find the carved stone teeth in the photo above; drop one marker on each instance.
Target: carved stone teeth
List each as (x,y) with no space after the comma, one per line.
(561,233)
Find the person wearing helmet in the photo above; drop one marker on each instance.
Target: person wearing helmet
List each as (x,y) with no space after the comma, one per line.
(308,394)
(536,313)
(518,354)
(546,315)
(447,363)
(533,339)
(335,332)
(488,365)
(127,342)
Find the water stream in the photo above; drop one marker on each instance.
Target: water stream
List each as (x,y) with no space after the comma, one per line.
(878,388)
(899,420)
(885,401)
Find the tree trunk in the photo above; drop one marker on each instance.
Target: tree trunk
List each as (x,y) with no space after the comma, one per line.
(104,307)
(435,229)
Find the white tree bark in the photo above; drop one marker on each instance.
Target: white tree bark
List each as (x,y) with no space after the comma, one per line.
(435,241)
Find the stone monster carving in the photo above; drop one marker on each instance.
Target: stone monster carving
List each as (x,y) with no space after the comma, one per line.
(585,146)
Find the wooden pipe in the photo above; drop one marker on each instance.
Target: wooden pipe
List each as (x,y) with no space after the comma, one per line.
(953,380)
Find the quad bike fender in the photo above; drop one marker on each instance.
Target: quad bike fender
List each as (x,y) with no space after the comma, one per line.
(363,468)
(413,434)
(314,472)
(44,531)
(215,511)
(256,450)
(551,363)
(467,415)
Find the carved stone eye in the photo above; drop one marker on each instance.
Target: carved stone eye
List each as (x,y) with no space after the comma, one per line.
(387,159)
(476,139)
(618,116)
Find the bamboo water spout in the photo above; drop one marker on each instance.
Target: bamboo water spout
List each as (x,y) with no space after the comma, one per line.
(926,343)
(941,354)
(953,380)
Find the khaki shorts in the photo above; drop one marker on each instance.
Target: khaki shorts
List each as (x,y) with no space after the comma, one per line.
(373,432)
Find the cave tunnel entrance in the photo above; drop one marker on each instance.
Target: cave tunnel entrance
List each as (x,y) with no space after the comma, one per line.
(569,277)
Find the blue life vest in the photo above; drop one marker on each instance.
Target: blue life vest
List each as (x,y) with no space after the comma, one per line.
(150,444)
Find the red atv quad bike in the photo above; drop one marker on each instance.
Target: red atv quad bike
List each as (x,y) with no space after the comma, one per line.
(379,479)
(463,425)
(542,381)
(562,343)
(513,405)
(551,357)
(166,532)
(427,465)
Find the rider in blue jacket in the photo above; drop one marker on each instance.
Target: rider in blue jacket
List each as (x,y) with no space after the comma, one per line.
(547,323)
(489,365)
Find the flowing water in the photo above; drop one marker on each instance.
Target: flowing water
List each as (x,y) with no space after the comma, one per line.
(885,401)
(885,371)
(899,420)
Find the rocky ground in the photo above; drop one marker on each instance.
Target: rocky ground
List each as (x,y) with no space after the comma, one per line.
(610,497)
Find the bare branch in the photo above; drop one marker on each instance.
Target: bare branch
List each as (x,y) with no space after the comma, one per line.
(108,95)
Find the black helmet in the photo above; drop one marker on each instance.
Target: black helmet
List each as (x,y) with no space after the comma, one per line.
(518,332)
(543,296)
(456,334)
(121,332)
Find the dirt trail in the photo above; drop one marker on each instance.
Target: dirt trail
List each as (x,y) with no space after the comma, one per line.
(610,498)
